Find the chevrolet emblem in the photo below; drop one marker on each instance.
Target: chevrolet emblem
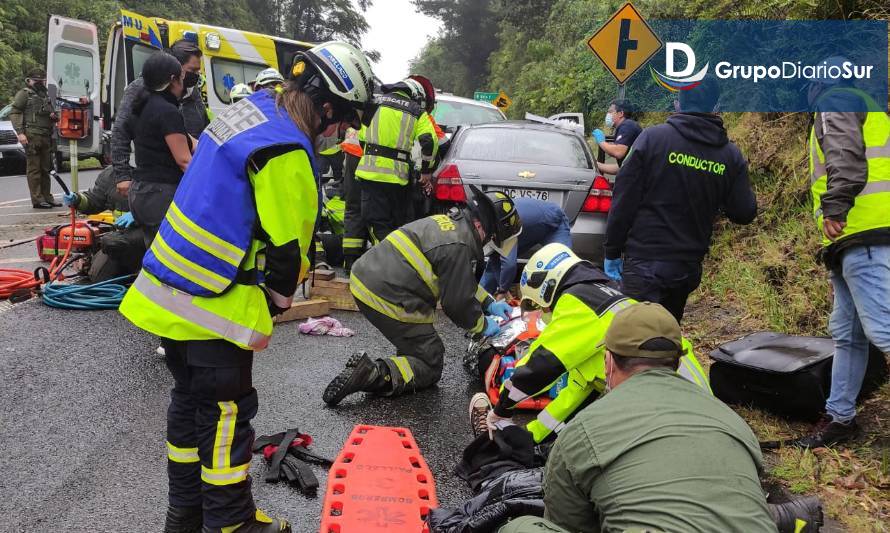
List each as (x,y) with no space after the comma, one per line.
(526,174)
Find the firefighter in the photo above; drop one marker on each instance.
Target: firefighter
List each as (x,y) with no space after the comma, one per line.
(355,232)
(385,166)
(398,282)
(578,306)
(227,258)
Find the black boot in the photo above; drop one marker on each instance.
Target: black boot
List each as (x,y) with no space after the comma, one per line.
(183,519)
(258,524)
(787,515)
(360,375)
(827,434)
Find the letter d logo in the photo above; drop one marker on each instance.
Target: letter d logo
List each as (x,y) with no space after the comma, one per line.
(669,50)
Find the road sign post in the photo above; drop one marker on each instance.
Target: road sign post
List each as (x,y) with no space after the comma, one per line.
(624,44)
(503,102)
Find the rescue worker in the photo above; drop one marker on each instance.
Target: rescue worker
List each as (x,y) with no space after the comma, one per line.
(397,283)
(268,78)
(238,92)
(32,117)
(228,257)
(420,201)
(672,185)
(619,117)
(578,306)
(355,232)
(194,112)
(121,251)
(849,163)
(385,166)
(542,223)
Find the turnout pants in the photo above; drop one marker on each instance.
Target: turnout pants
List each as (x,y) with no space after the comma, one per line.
(420,353)
(39,162)
(149,202)
(355,232)
(668,283)
(384,207)
(209,435)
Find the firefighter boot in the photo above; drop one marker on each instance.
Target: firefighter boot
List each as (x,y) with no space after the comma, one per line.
(260,523)
(801,515)
(360,375)
(183,519)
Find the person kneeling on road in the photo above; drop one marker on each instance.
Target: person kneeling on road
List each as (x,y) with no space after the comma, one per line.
(578,307)
(398,282)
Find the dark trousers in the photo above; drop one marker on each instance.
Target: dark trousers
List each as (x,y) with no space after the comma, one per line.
(665,282)
(384,206)
(149,202)
(419,356)
(209,435)
(38,158)
(355,232)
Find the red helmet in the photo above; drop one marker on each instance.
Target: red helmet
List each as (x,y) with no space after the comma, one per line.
(428,89)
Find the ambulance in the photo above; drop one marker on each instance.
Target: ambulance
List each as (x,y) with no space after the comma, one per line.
(73,65)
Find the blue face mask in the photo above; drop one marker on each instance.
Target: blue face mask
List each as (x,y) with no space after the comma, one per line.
(609,121)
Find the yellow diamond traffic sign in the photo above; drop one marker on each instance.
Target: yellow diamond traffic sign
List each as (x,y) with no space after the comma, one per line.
(503,102)
(624,43)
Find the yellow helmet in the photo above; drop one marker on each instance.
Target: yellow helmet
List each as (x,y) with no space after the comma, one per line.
(544,272)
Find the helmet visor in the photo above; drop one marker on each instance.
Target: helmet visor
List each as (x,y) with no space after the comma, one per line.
(505,247)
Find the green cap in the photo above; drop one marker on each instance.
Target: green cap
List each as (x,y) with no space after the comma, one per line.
(37,74)
(645,330)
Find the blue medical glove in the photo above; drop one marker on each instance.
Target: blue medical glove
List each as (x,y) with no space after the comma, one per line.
(71,199)
(501,309)
(599,135)
(614,268)
(125,220)
(491,327)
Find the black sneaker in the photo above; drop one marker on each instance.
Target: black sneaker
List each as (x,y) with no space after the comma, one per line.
(42,205)
(184,519)
(359,375)
(479,408)
(258,524)
(800,515)
(826,434)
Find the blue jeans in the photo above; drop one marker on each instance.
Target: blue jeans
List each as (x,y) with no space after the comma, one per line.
(503,269)
(861,314)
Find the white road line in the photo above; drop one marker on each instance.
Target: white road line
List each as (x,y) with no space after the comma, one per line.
(19,260)
(33,213)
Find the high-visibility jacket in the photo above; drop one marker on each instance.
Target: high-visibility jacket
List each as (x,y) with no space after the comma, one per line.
(430,260)
(871,207)
(573,342)
(277,189)
(388,139)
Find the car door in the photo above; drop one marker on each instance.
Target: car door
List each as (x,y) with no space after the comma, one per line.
(72,66)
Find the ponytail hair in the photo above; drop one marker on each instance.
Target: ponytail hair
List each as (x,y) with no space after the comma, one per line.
(157,73)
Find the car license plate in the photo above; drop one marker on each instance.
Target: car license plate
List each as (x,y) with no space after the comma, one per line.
(554,197)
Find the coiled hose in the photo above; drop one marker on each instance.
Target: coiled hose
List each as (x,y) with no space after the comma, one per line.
(104,295)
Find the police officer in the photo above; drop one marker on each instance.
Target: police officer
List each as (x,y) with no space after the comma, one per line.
(32,117)
(672,185)
(384,169)
(397,283)
(227,258)
(578,307)
(626,129)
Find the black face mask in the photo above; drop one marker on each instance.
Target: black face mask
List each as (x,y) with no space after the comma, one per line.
(191,79)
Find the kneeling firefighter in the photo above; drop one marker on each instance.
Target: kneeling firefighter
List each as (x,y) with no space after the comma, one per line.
(228,257)
(398,282)
(578,307)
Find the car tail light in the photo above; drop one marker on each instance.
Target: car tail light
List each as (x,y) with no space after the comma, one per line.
(599,199)
(449,185)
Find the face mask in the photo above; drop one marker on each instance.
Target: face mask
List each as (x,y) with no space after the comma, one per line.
(609,121)
(191,79)
(546,316)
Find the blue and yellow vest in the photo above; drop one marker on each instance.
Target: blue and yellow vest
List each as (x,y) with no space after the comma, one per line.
(208,229)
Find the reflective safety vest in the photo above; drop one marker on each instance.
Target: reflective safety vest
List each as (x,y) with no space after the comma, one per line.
(389,139)
(871,207)
(211,222)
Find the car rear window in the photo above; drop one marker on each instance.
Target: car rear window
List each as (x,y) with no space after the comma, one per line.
(464,114)
(523,146)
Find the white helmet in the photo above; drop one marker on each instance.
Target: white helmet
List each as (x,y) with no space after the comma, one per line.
(239,92)
(543,273)
(416,91)
(344,68)
(269,76)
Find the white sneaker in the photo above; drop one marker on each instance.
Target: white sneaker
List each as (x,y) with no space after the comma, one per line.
(479,408)
(161,351)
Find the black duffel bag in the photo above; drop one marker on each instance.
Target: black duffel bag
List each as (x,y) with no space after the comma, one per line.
(787,375)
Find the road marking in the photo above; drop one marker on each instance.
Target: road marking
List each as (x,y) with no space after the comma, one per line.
(19,260)
(33,213)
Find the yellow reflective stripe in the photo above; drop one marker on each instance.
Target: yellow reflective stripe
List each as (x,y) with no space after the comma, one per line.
(404,368)
(480,324)
(202,238)
(416,259)
(182,455)
(482,294)
(351,242)
(225,432)
(360,292)
(185,268)
(224,476)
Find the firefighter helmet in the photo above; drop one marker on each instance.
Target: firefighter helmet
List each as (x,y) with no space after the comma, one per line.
(499,216)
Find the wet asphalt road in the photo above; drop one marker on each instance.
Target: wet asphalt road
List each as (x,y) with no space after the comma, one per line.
(84,398)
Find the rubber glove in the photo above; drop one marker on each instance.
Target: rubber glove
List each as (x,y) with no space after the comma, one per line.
(501,309)
(599,135)
(491,327)
(124,221)
(71,199)
(614,268)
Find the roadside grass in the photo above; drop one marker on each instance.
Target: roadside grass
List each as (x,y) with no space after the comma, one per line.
(766,277)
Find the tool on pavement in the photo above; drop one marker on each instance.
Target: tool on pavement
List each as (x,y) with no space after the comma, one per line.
(285,453)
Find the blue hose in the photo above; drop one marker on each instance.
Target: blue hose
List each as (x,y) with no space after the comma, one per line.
(104,295)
